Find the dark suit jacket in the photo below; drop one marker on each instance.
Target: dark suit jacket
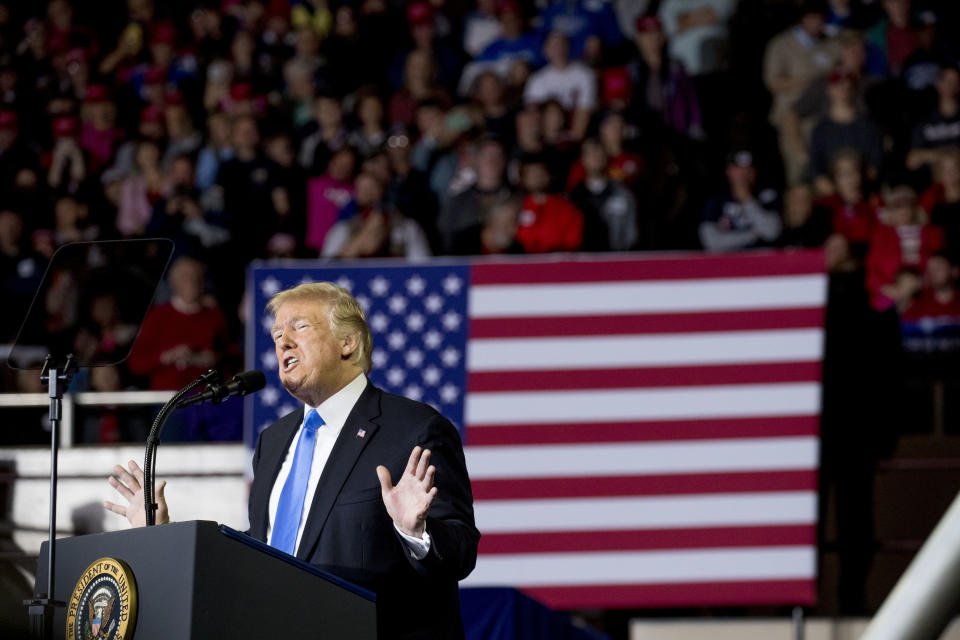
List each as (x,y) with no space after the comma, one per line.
(348,531)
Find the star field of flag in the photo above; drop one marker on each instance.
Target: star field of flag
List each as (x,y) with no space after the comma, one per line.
(418,319)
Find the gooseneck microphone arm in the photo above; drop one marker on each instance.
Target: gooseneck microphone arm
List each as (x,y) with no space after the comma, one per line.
(240,385)
(150,456)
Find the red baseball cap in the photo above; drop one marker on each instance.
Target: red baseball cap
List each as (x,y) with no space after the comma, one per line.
(419,13)
(649,23)
(615,84)
(508,6)
(154,75)
(64,126)
(8,119)
(164,33)
(241,91)
(96,93)
(839,75)
(151,114)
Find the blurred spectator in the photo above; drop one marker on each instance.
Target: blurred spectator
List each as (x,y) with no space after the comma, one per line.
(489,94)
(513,47)
(804,225)
(431,43)
(548,222)
(942,200)
(853,212)
(216,151)
(327,195)
(20,272)
(942,127)
(140,190)
(99,135)
(184,337)
(70,221)
(903,243)
(741,218)
(891,40)
(931,323)
(481,27)
(570,83)
(609,210)
(793,59)
(843,127)
(842,14)
(467,209)
(370,131)
(419,85)
(921,68)
(697,32)
(374,229)
(588,25)
(800,117)
(182,136)
(111,423)
(323,135)
(67,166)
(662,92)
(178,215)
(495,233)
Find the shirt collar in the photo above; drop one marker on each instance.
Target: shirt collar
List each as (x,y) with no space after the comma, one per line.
(335,409)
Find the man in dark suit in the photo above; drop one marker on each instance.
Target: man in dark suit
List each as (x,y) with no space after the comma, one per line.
(323,475)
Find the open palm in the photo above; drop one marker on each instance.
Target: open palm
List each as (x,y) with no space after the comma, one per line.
(408,501)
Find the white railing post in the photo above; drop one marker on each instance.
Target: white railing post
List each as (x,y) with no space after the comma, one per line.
(925,598)
(68,420)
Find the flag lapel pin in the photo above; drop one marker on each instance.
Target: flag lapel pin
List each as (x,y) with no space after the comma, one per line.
(361,433)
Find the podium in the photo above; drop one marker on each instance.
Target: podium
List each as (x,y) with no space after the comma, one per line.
(201,580)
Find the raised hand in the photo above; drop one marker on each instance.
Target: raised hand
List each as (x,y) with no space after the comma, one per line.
(129,484)
(408,501)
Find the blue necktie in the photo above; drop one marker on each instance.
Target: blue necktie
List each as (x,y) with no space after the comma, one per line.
(286,523)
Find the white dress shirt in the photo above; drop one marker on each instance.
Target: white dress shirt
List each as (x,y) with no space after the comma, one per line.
(334,412)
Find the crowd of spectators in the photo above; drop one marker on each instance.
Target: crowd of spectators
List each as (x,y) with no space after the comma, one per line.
(246,129)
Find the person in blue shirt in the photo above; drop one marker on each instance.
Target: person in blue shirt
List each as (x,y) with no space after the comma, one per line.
(582,20)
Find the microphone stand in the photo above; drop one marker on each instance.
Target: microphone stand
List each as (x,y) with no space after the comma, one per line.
(153,440)
(41,609)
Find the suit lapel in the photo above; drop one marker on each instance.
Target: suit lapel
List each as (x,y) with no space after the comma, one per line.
(343,458)
(273,452)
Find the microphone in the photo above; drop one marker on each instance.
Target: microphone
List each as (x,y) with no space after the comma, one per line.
(240,385)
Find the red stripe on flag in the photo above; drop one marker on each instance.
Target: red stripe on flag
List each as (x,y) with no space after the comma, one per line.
(643,431)
(640,540)
(535,380)
(693,594)
(593,325)
(652,485)
(649,267)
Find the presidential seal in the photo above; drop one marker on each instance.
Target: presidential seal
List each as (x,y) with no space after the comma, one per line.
(104,603)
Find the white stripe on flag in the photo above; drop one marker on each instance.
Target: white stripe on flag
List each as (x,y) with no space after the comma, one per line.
(791,453)
(709,294)
(720,401)
(650,512)
(591,352)
(644,567)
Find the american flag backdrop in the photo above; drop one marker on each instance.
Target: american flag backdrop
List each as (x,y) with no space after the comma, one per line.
(639,431)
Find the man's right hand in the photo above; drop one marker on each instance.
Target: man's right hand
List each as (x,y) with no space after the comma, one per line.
(129,484)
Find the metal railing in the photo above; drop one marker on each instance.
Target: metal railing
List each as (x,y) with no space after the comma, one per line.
(83,399)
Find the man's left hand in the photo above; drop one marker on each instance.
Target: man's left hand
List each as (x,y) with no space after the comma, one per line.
(408,501)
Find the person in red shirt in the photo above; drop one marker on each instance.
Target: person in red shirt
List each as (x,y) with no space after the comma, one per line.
(548,222)
(853,213)
(623,166)
(904,242)
(184,337)
(931,323)
(939,297)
